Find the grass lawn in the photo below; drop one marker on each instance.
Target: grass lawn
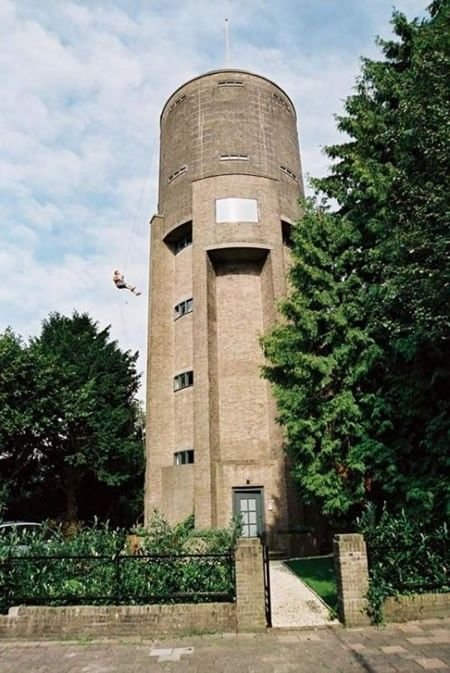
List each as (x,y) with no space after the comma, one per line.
(318,573)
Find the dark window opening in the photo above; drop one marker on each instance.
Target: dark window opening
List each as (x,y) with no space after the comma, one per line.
(183,380)
(183,457)
(286,234)
(179,238)
(183,241)
(183,307)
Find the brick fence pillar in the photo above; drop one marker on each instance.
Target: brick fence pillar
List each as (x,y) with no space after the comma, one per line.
(352,578)
(250,603)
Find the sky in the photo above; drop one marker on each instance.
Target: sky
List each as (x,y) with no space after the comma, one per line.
(83,83)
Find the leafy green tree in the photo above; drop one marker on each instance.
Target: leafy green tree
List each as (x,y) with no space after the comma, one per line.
(20,395)
(77,421)
(361,364)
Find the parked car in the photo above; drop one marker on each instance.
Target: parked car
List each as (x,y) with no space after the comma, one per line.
(17,530)
(19,527)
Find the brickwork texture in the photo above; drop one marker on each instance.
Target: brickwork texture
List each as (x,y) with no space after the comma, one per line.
(352,578)
(247,613)
(226,134)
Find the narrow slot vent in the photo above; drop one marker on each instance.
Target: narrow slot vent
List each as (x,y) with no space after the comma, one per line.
(233,157)
(282,102)
(288,172)
(174,175)
(177,102)
(231,82)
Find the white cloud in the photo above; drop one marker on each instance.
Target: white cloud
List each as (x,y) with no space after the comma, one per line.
(83,84)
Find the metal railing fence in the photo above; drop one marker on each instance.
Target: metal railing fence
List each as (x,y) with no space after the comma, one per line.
(118,579)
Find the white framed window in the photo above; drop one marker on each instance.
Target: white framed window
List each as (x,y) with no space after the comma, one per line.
(185,457)
(236,210)
(183,380)
(182,308)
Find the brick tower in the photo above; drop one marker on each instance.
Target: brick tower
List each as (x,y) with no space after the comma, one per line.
(229,183)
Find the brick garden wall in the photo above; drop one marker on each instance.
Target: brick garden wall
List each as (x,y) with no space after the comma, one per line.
(420,606)
(91,621)
(148,621)
(352,579)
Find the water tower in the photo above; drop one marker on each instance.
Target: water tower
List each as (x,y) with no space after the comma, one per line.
(229,182)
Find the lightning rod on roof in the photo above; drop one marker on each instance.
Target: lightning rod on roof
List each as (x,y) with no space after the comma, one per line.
(227,44)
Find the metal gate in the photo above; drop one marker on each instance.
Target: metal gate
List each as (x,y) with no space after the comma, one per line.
(267,602)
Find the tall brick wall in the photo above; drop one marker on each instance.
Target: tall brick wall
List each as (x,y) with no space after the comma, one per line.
(177,479)
(242,392)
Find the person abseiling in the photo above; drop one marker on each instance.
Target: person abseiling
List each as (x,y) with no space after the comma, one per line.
(119,282)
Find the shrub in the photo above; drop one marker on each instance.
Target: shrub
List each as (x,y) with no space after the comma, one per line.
(406,556)
(95,566)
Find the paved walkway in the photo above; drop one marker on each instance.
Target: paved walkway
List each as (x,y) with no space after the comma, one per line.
(409,648)
(293,603)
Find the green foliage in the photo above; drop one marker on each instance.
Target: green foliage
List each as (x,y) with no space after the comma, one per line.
(68,416)
(406,556)
(95,566)
(318,359)
(360,363)
(159,537)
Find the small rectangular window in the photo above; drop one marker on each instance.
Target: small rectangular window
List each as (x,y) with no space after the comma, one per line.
(183,380)
(182,308)
(236,210)
(183,457)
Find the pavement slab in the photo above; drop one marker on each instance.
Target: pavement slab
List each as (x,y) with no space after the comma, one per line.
(332,650)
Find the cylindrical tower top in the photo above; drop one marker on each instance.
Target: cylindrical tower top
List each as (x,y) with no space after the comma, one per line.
(226,122)
(223,72)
